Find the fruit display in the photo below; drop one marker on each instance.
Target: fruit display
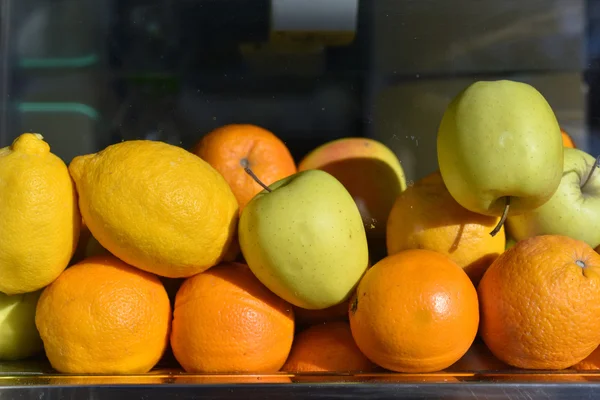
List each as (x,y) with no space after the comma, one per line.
(231,257)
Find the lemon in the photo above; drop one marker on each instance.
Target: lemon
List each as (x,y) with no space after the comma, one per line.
(40,219)
(156,206)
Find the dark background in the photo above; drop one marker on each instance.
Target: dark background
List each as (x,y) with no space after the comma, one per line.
(86,73)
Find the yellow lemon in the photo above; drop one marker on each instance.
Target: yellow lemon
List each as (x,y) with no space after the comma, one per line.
(156,206)
(40,222)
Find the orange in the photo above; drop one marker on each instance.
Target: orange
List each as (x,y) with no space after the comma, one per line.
(225,320)
(426,216)
(414,311)
(230,148)
(591,362)
(104,316)
(540,303)
(327,347)
(567,140)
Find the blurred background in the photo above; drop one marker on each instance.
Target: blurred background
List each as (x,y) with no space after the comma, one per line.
(88,73)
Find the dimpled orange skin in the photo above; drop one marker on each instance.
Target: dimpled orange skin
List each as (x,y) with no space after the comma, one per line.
(426,216)
(104,316)
(327,347)
(414,311)
(540,309)
(228,146)
(226,321)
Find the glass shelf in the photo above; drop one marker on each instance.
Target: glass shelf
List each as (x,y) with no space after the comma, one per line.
(37,380)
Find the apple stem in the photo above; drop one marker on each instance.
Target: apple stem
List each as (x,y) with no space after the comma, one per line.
(253,175)
(502,218)
(596,165)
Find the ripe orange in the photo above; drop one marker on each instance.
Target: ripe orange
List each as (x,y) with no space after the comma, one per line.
(540,303)
(327,347)
(591,362)
(426,216)
(104,316)
(230,148)
(225,320)
(567,140)
(414,311)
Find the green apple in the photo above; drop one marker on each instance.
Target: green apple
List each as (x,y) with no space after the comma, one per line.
(304,239)
(500,149)
(510,242)
(19,337)
(573,210)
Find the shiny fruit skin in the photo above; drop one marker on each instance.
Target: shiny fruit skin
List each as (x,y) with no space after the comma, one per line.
(404,303)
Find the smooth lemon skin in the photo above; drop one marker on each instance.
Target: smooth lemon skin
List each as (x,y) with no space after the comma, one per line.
(156,206)
(40,221)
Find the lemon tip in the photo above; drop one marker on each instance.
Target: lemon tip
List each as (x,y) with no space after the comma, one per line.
(30,143)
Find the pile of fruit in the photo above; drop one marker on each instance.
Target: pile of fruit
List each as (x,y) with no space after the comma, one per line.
(235,259)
